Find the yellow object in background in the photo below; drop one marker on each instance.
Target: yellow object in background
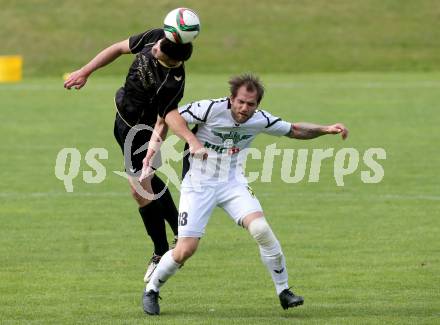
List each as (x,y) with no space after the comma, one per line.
(11,68)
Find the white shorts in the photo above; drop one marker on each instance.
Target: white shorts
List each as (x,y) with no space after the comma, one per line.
(195,207)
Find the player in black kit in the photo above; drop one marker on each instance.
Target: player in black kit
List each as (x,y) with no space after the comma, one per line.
(154,86)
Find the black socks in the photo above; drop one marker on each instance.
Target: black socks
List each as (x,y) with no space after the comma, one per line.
(155,225)
(154,216)
(169,211)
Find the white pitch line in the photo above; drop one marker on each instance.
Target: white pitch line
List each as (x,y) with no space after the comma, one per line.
(354,85)
(360,196)
(316,195)
(412,197)
(276,85)
(62,194)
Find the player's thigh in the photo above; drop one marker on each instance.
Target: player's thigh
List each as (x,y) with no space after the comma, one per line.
(133,145)
(195,209)
(238,200)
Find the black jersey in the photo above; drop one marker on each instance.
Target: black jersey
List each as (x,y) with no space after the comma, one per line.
(150,88)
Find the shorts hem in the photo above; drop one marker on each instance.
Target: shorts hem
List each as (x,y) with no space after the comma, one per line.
(240,220)
(191,234)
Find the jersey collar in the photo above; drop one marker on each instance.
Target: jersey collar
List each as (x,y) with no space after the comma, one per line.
(169,66)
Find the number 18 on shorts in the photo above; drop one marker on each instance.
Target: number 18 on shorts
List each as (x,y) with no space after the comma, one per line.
(196,206)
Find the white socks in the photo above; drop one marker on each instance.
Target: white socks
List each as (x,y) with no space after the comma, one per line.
(276,265)
(166,268)
(270,251)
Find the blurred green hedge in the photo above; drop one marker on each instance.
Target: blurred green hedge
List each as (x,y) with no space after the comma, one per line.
(243,35)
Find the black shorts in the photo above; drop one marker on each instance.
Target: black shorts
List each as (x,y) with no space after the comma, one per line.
(138,139)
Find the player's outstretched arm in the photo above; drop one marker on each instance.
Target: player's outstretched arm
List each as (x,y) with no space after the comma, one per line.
(305,131)
(78,78)
(179,126)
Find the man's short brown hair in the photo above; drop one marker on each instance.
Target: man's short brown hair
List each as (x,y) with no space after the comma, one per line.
(251,82)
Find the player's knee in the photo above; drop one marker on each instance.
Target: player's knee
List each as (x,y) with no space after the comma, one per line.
(183,251)
(263,235)
(261,231)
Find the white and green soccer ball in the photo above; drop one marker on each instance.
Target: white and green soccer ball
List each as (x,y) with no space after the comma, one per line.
(181,25)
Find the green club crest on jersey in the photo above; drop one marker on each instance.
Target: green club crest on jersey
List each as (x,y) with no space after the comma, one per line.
(231,138)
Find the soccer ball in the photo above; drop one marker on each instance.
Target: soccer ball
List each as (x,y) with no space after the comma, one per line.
(181,25)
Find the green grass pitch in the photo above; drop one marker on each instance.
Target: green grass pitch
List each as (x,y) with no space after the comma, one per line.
(360,254)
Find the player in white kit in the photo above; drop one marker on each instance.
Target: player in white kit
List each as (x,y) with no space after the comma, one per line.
(226,127)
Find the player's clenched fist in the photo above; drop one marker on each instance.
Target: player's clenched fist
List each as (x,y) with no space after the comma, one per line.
(338,128)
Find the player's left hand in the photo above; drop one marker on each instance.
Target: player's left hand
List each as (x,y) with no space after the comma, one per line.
(147,169)
(338,128)
(147,172)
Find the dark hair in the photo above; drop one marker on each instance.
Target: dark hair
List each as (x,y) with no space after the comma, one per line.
(251,82)
(178,52)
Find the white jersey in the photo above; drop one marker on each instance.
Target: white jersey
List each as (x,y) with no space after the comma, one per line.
(225,139)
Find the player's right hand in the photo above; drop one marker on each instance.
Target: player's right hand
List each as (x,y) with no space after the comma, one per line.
(338,128)
(76,79)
